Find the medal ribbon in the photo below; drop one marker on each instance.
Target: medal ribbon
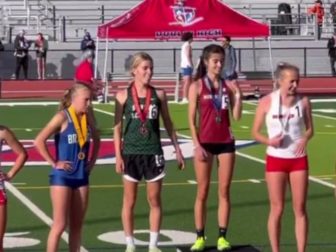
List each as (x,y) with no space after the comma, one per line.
(216,101)
(80,127)
(283,117)
(142,113)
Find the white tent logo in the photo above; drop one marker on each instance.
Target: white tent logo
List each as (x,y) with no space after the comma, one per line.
(184,16)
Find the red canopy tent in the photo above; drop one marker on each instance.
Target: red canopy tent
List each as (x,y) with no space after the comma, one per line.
(168,19)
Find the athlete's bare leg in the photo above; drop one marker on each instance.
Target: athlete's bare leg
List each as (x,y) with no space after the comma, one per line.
(127,212)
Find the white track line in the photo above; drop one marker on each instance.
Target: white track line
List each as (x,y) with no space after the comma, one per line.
(37,211)
(316,180)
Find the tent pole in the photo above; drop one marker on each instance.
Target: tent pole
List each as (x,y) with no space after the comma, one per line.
(96,60)
(271,61)
(254,55)
(105,61)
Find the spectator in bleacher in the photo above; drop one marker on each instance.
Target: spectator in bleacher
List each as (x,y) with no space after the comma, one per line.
(186,64)
(229,73)
(88,43)
(318,11)
(332,53)
(84,74)
(333,14)
(21,46)
(41,48)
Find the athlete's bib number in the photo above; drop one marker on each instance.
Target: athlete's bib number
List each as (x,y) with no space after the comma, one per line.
(159,160)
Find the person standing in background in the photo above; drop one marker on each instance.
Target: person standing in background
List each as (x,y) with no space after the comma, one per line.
(88,44)
(318,11)
(229,73)
(21,46)
(186,64)
(41,48)
(332,53)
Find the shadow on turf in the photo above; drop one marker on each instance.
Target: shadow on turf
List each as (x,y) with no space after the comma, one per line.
(237,248)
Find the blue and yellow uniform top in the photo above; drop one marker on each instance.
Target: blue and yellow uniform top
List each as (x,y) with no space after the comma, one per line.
(67,149)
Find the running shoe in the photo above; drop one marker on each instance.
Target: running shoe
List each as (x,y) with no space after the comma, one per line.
(199,244)
(223,244)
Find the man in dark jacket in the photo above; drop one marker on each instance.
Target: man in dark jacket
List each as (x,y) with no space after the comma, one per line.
(332,53)
(88,44)
(21,46)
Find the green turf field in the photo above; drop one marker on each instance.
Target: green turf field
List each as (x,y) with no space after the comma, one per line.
(30,208)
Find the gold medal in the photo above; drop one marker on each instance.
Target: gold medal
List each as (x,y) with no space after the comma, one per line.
(81,130)
(81,155)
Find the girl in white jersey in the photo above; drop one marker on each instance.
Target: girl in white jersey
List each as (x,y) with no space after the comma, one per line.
(8,137)
(289,126)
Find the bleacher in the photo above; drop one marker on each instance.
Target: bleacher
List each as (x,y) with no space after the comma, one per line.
(74,17)
(66,21)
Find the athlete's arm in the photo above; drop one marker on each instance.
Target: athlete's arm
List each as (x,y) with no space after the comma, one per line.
(21,155)
(95,134)
(309,132)
(259,119)
(192,110)
(121,97)
(55,125)
(194,91)
(235,99)
(169,126)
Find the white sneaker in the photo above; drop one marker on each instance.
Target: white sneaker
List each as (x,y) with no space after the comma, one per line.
(184,101)
(130,248)
(155,249)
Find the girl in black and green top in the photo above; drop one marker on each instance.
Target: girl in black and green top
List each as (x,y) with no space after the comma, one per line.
(140,154)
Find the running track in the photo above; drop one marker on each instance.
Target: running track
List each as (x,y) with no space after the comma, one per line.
(54,89)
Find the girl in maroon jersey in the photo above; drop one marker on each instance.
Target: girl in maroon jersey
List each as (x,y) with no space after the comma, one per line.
(211,100)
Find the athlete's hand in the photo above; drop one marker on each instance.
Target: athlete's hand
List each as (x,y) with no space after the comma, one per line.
(4,176)
(180,158)
(200,153)
(120,166)
(276,141)
(300,147)
(63,165)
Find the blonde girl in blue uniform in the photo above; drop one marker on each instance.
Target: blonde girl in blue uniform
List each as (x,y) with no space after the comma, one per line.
(72,126)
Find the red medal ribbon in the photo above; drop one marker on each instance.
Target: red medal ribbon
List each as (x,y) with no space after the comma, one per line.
(142,113)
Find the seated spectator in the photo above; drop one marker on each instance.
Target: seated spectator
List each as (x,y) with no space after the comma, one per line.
(318,11)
